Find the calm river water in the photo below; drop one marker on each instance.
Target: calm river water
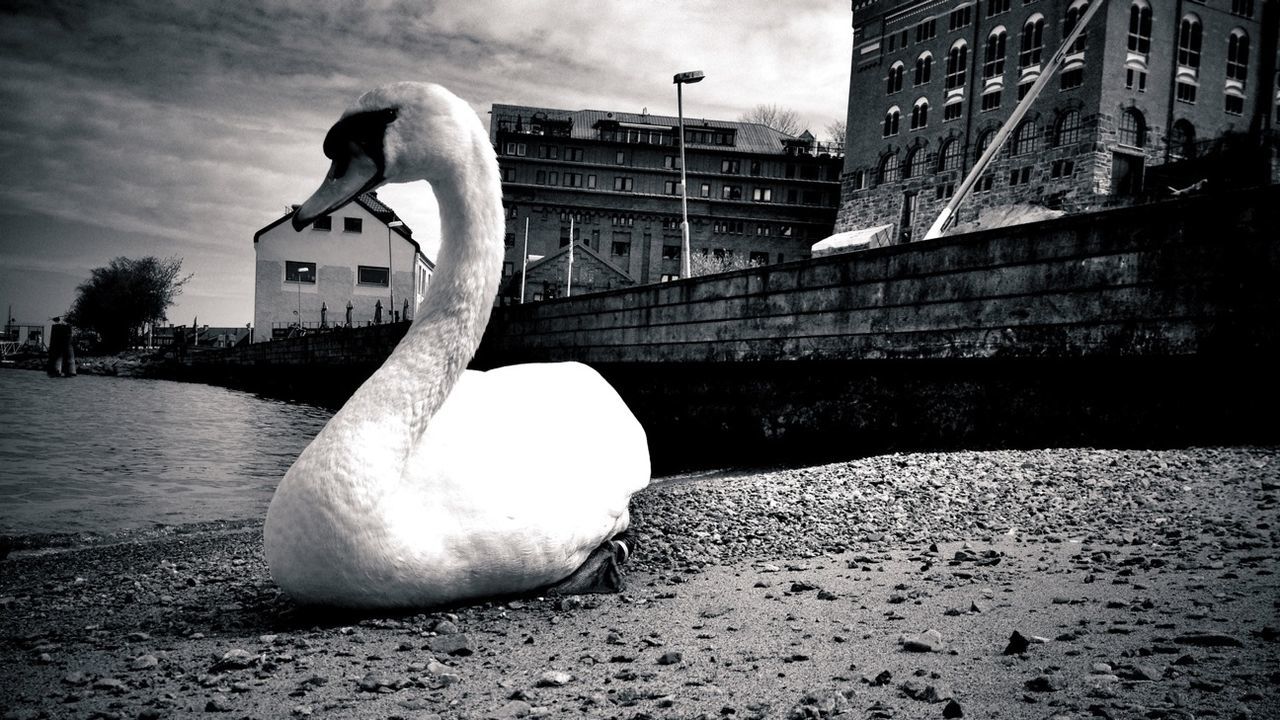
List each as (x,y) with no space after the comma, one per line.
(102,454)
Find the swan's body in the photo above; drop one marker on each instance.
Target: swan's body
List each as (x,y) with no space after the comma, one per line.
(432,486)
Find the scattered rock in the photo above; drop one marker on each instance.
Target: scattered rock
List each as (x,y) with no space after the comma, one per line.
(457,644)
(1017,644)
(554,678)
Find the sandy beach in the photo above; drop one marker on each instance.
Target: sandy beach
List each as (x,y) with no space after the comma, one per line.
(1073,583)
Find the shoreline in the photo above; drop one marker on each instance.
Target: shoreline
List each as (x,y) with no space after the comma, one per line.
(1144,582)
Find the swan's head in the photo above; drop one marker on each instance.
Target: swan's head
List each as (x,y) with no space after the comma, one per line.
(396,133)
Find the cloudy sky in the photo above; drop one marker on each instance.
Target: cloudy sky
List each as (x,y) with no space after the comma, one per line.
(181,127)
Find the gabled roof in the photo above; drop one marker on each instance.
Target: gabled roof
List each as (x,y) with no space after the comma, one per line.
(579,249)
(367,200)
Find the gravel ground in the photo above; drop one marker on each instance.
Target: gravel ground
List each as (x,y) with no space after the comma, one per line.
(1011,584)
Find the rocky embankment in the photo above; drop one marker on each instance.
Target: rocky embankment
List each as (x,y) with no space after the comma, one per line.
(133,363)
(1042,584)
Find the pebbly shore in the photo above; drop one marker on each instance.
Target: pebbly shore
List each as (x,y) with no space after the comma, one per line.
(1071,583)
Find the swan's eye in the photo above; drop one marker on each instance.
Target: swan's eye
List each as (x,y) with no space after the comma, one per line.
(361,132)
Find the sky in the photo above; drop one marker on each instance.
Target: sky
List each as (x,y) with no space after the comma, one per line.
(180,128)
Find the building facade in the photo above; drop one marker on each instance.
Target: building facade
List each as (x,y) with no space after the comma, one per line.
(1147,95)
(756,193)
(352,258)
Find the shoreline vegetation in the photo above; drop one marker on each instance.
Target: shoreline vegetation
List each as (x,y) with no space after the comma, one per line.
(1059,583)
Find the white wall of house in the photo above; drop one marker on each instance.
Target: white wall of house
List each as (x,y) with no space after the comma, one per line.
(336,254)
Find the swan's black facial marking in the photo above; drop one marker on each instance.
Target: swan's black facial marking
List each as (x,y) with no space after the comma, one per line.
(361,133)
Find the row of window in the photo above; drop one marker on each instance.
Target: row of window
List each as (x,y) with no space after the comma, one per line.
(626,183)
(728,166)
(349,224)
(670,225)
(299,271)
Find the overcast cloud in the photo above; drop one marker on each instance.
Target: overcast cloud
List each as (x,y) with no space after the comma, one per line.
(181,128)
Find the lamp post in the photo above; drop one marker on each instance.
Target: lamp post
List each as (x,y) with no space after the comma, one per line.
(680,80)
(390,275)
(301,271)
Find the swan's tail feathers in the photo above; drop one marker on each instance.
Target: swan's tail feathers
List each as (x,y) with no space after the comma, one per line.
(602,571)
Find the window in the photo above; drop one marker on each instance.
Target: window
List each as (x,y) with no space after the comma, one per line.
(517,149)
(670,252)
(731,192)
(623,221)
(548,152)
(1182,141)
(960,17)
(993,57)
(540,177)
(1068,129)
(573,180)
(508,174)
(764,229)
(957,59)
(889,169)
(991,101)
(1189,42)
(762,194)
(891,119)
(895,78)
(1135,80)
(553,178)
(1032,45)
(369,275)
(1185,92)
(1238,55)
(573,154)
(350,224)
(732,167)
(984,184)
(1074,13)
(1243,8)
(1062,168)
(917,163)
(924,67)
(623,183)
(926,30)
(1133,128)
(1019,176)
(952,155)
(995,7)
(755,168)
(620,158)
(758,258)
(1233,104)
(920,114)
(705,190)
(952,110)
(671,187)
(944,191)
(591,182)
(1140,28)
(324,222)
(299,272)
(1026,139)
(620,248)
(1072,78)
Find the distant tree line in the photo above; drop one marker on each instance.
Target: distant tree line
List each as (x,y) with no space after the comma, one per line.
(118,301)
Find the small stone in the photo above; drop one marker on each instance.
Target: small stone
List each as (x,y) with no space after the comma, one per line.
(554,678)
(1017,644)
(953,709)
(672,657)
(1208,640)
(1045,683)
(77,679)
(144,662)
(1142,671)
(446,627)
(377,681)
(927,641)
(217,705)
(457,644)
(109,684)
(234,659)
(513,709)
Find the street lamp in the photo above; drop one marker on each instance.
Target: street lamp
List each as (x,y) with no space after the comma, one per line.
(390,276)
(301,271)
(680,80)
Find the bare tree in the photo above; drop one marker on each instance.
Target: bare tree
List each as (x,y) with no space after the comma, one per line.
(836,131)
(784,120)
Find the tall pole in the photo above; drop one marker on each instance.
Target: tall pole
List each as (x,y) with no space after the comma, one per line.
(568,284)
(684,188)
(524,263)
(391,289)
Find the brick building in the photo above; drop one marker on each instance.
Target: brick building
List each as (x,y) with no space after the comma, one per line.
(1155,94)
(757,193)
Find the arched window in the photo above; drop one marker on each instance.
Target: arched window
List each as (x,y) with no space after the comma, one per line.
(1026,139)
(1074,13)
(957,60)
(984,140)
(920,114)
(889,169)
(1032,44)
(951,156)
(1189,32)
(1182,141)
(891,120)
(1140,27)
(1068,129)
(895,78)
(993,56)
(1133,128)
(917,163)
(924,67)
(1238,55)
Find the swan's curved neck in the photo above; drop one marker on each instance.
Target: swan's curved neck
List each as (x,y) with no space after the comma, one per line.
(416,378)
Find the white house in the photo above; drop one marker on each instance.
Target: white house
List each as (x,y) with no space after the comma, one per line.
(359,256)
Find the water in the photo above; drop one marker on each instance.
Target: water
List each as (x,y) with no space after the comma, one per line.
(103,454)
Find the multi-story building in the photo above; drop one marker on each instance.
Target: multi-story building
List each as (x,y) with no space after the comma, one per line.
(1149,92)
(358,262)
(759,194)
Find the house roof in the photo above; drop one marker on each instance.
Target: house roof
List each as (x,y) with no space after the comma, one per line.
(370,202)
(750,137)
(578,249)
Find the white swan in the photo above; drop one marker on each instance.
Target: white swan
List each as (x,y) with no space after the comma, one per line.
(433,485)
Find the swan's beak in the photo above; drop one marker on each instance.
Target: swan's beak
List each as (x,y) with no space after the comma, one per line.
(348,177)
